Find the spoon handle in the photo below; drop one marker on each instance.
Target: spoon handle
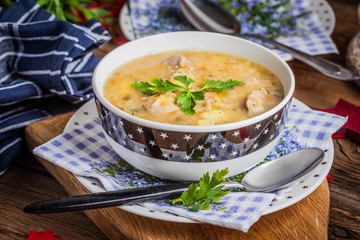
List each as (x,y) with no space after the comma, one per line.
(105,199)
(324,66)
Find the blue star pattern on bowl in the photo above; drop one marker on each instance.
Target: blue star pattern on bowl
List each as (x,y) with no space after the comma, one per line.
(188,146)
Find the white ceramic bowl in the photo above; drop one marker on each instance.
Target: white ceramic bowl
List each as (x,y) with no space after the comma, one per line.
(160,149)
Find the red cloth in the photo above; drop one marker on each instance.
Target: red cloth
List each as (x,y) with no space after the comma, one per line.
(111,21)
(48,235)
(351,129)
(329,178)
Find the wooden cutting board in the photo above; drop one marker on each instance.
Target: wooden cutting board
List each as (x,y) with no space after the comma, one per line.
(307,219)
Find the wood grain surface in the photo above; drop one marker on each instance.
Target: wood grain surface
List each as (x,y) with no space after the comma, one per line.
(27,180)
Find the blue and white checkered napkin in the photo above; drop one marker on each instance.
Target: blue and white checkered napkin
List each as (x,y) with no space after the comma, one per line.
(156,16)
(45,68)
(84,151)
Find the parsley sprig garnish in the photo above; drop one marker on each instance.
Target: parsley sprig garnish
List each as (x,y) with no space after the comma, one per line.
(186,98)
(200,195)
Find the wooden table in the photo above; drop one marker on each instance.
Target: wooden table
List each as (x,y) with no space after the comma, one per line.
(27,180)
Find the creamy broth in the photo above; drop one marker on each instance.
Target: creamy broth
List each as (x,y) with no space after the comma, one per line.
(260,91)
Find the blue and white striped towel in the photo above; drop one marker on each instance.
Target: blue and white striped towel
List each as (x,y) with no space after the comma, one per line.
(84,151)
(45,64)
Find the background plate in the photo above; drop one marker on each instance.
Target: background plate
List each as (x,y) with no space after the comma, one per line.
(322,9)
(306,186)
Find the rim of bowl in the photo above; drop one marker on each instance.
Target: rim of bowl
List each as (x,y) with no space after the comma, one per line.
(193,128)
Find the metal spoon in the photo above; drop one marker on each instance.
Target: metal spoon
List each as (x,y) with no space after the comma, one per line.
(273,175)
(209,16)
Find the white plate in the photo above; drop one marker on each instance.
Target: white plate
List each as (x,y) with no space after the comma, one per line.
(325,14)
(125,22)
(300,191)
(322,9)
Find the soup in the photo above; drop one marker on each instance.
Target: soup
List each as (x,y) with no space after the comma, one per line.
(256,90)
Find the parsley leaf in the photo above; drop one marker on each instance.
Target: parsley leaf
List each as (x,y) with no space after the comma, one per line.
(186,98)
(143,87)
(220,85)
(187,103)
(200,195)
(162,86)
(184,80)
(198,95)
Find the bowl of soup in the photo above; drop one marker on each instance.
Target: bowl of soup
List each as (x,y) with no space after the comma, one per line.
(177,105)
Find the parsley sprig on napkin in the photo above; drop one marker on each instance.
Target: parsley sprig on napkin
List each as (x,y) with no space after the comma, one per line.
(200,195)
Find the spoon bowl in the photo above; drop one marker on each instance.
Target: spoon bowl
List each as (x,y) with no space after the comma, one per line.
(209,16)
(284,171)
